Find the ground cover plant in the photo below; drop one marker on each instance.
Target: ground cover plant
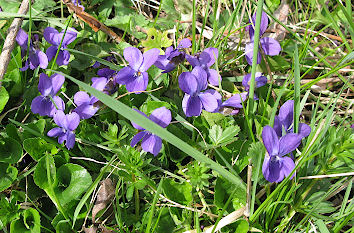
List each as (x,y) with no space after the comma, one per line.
(176,116)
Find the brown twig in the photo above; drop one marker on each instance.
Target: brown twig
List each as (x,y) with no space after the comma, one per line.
(10,40)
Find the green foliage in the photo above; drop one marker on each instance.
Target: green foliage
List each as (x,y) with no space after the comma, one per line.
(37,148)
(29,222)
(4,97)
(178,192)
(8,175)
(156,39)
(10,150)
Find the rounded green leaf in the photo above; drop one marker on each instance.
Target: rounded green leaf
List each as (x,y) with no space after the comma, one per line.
(73,181)
(179,192)
(10,150)
(30,222)
(8,175)
(41,177)
(37,148)
(4,97)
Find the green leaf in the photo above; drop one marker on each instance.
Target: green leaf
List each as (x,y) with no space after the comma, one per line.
(223,189)
(156,39)
(178,192)
(30,222)
(10,150)
(41,176)
(242,226)
(36,126)
(73,180)
(8,211)
(37,148)
(8,175)
(220,136)
(4,97)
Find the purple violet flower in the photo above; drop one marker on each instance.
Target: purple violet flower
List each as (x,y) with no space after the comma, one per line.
(276,165)
(48,87)
(67,124)
(135,76)
(173,57)
(152,143)
(235,102)
(269,45)
(78,3)
(283,123)
(260,80)
(205,60)
(192,84)
(35,56)
(86,105)
(54,37)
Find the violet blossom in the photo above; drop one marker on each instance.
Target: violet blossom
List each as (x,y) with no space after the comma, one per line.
(87,105)
(205,60)
(269,45)
(276,165)
(67,124)
(54,37)
(48,87)
(78,3)
(260,81)
(235,102)
(135,76)
(35,56)
(193,83)
(173,57)
(283,123)
(151,142)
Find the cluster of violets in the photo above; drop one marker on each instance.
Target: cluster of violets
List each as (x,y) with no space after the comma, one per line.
(279,140)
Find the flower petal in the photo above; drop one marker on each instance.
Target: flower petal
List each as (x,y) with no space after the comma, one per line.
(263,26)
(260,80)
(70,140)
(188,83)
(86,111)
(209,102)
(22,38)
(43,59)
(288,143)
(270,140)
(52,36)
(134,57)
(81,98)
(184,43)
(213,77)
(51,52)
(60,119)
(249,53)
(149,58)
(57,81)
(287,166)
(137,138)
(270,46)
(70,36)
(236,100)
(201,77)
(124,76)
(213,54)
(45,84)
(73,120)
(217,96)
(42,106)
(193,60)
(105,72)
(55,132)
(304,130)
(192,106)
(99,83)
(139,83)
(63,58)
(286,114)
(278,126)
(34,61)
(161,116)
(59,103)
(152,143)
(136,125)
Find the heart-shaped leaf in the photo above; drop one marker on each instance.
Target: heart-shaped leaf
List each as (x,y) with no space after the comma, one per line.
(10,150)
(73,181)
(37,148)
(44,180)
(8,175)
(30,222)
